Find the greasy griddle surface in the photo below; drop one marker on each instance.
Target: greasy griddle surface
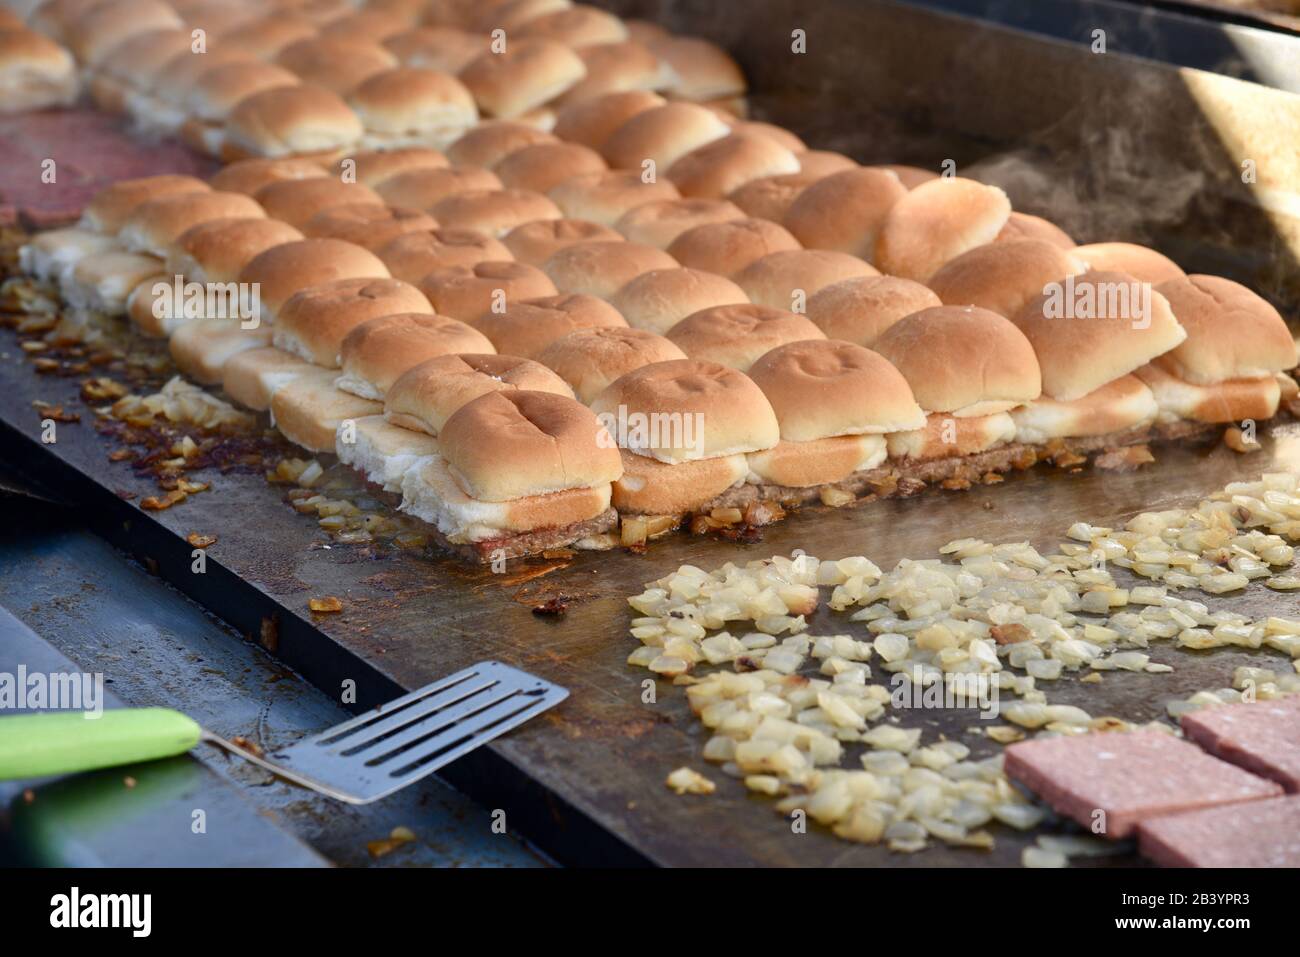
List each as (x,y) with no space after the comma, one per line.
(603,752)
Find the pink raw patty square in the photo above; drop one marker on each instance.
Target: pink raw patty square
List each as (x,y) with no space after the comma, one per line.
(1263,737)
(1258,834)
(1130,776)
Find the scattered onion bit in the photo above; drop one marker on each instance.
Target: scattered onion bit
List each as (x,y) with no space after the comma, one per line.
(688,781)
(155,504)
(201,541)
(398,837)
(326,606)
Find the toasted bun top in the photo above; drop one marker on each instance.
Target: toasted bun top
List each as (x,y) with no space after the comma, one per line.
(379,350)
(1231,332)
(113,205)
(846,210)
(282,270)
(510,445)
(728,247)
(911,176)
(372,225)
(466,292)
(662,134)
(590,359)
(335,63)
(541,166)
(154,226)
(293,119)
(317,318)
(718,168)
(659,299)
(368,24)
(860,310)
(267,36)
(699,70)
(1025,226)
(372,167)
(22,49)
(1094,328)
(822,163)
(959,358)
(615,67)
(1003,276)
(425,187)
(412,256)
(494,212)
(529,72)
(427,394)
(604,197)
(505,14)
(250,175)
(296,201)
(785,280)
(216,251)
(436,47)
(770,197)
(526,328)
(577,26)
(737,335)
(938,221)
(725,411)
(174,81)
(95,32)
(413,99)
(659,223)
(821,388)
(602,268)
(538,241)
(1143,264)
(218,91)
(135,60)
(593,120)
(491,142)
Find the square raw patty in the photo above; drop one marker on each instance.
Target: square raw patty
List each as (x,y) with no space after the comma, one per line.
(1263,737)
(1262,834)
(1130,776)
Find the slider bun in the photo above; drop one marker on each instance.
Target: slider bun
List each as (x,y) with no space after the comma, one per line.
(531,71)
(252,377)
(101,282)
(821,163)
(699,70)
(1024,226)
(413,256)
(590,359)
(938,221)
(538,241)
(467,292)
(436,48)
(662,134)
(219,90)
(494,212)
(296,201)
(201,349)
(135,60)
(651,487)
(1121,404)
(777,279)
(507,15)
(335,63)
(372,225)
(726,248)
(308,409)
(721,167)
(778,134)
(172,84)
(375,353)
(731,412)
(603,268)
(592,120)
(368,24)
(35,72)
(543,165)
(1003,276)
(659,223)
(250,175)
(845,211)
(55,18)
(615,67)
(154,227)
(578,26)
(289,120)
(606,196)
(817,462)
(113,205)
(645,31)
(265,37)
(1234,400)
(528,327)
(93,33)
(491,142)
(963,360)
(860,310)
(314,321)
(218,250)
(910,176)
(821,388)
(1081,353)
(414,101)
(1143,264)
(770,197)
(659,299)
(736,336)
(372,167)
(426,395)
(947,436)
(424,188)
(284,269)
(1231,332)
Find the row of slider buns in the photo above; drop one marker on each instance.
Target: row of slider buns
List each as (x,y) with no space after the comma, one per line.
(240,78)
(783,427)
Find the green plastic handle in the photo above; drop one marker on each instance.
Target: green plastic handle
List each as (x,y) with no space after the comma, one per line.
(63,742)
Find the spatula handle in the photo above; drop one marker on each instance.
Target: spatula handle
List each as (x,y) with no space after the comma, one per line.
(62,742)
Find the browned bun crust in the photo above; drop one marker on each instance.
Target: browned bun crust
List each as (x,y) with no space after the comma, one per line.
(284,269)
(591,121)
(308,410)
(529,72)
(467,292)
(314,321)
(659,223)
(154,227)
(113,205)
(662,135)
(736,336)
(603,268)
(938,221)
(379,350)
(822,163)
(423,188)
(1234,400)
(910,176)
(785,280)
(659,299)
(818,461)
(727,248)
(860,310)
(372,167)
(292,120)
(543,166)
(723,166)
(216,251)
(528,327)
(538,241)
(651,487)
(1024,226)
(296,201)
(576,26)
(494,212)
(413,256)
(845,211)
(1143,264)
(250,175)
(590,359)
(1003,276)
(491,142)
(372,225)
(770,197)
(340,64)
(605,196)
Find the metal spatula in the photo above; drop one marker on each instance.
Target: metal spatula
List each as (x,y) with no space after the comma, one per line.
(358,761)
